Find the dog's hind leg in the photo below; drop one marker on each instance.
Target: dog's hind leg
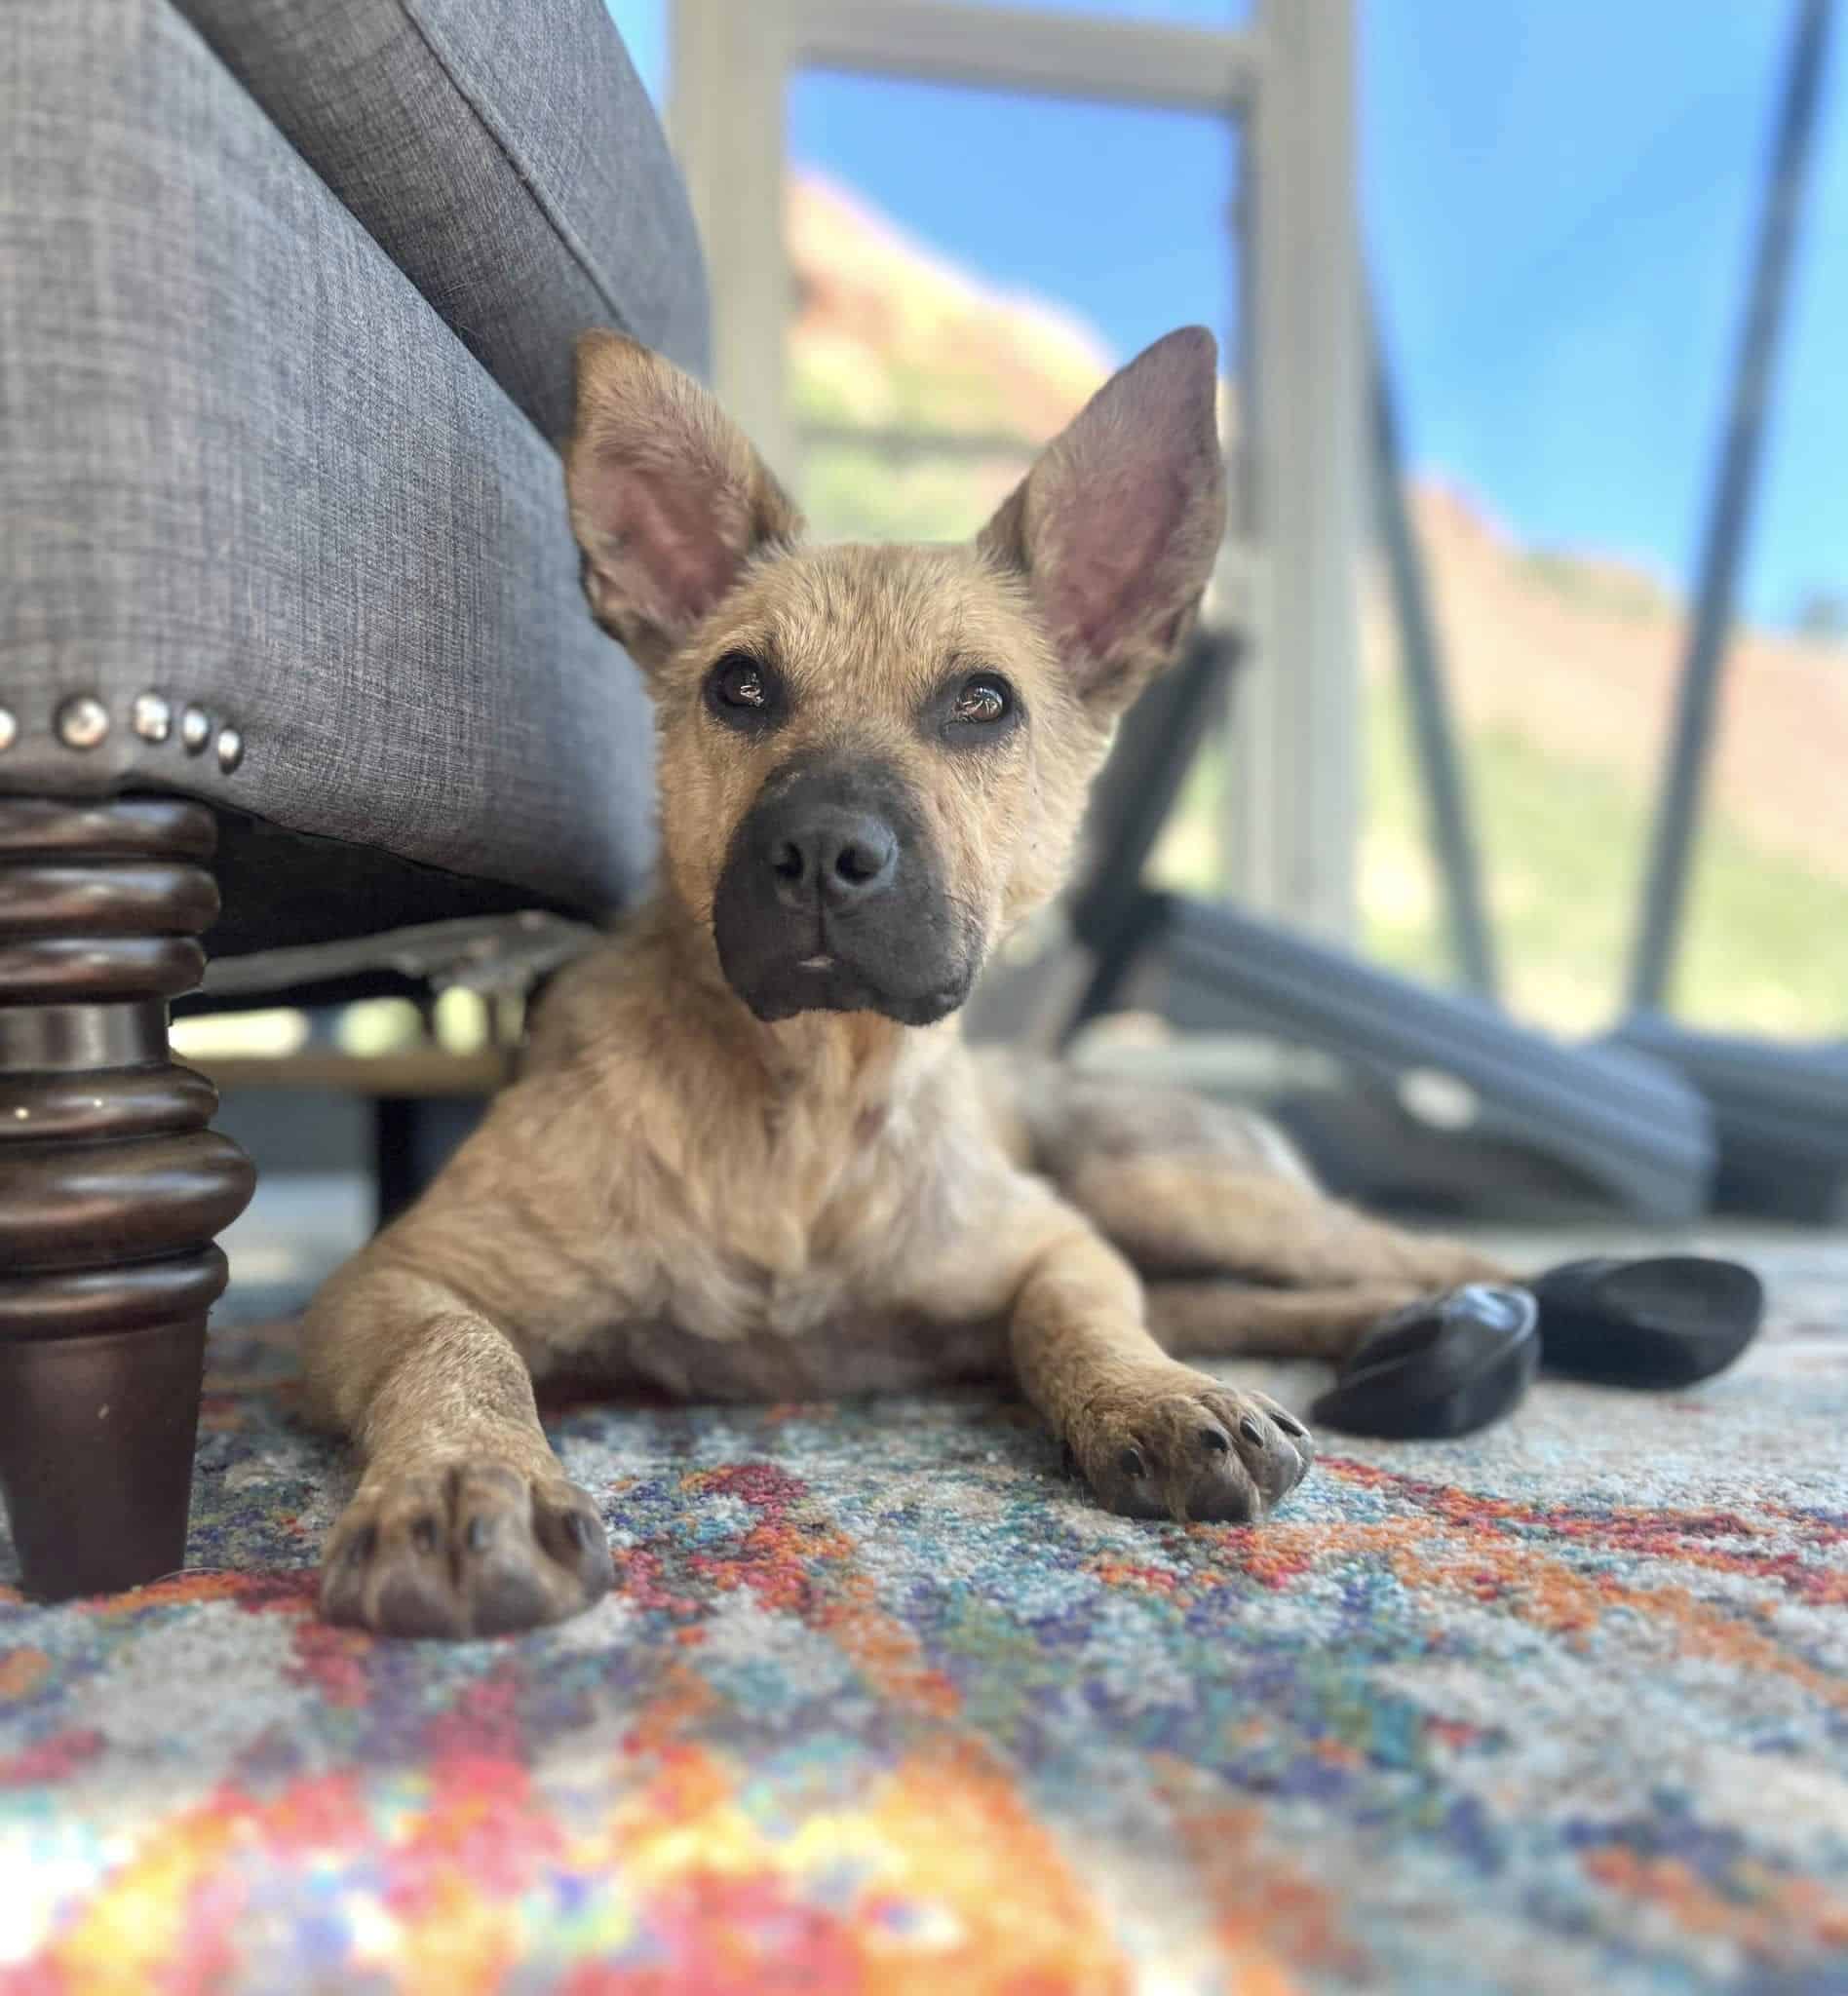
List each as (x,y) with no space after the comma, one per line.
(1188,1187)
(1197,1214)
(1217,1318)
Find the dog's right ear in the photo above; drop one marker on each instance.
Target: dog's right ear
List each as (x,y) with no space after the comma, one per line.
(668,499)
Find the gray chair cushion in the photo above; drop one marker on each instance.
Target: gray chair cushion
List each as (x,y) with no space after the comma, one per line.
(243,463)
(503,154)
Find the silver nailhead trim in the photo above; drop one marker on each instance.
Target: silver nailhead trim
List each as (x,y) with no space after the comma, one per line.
(81,721)
(9,730)
(230,750)
(151,716)
(195,729)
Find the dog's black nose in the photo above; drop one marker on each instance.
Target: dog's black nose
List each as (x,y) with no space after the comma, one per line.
(830,853)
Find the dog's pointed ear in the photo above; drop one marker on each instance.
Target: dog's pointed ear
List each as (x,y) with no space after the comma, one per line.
(667,499)
(1116,526)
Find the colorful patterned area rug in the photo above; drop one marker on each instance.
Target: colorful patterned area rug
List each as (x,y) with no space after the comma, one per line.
(881,1702)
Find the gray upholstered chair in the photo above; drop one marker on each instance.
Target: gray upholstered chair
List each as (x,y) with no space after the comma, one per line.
(291,646)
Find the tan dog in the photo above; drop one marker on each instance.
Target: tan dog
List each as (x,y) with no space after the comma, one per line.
(747,1154)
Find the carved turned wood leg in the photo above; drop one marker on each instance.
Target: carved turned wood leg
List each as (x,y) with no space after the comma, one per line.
(111,1186)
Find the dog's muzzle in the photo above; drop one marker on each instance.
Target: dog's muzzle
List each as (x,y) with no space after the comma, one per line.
(831,900)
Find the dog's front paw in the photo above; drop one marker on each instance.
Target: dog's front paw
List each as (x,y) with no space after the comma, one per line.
(1171,1442)
(467,1549)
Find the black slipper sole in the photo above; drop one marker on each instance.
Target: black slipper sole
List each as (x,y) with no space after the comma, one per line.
(1437,1368)
(1665,1322)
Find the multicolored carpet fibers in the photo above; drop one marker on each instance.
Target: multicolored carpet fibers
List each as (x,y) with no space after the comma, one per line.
(881,1702)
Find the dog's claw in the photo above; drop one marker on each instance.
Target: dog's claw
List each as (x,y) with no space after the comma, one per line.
(472,1549)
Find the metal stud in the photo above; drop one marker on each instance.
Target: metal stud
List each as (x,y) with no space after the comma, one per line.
(81,721)
(195,729)
(230,750)
(151,716)
(8,729)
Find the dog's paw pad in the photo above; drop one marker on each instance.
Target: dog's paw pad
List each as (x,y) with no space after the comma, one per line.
(470,1549)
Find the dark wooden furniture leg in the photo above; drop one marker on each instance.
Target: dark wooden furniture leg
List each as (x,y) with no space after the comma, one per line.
(111,1186)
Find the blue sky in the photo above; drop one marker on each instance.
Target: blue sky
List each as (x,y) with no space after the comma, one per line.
(1557,199)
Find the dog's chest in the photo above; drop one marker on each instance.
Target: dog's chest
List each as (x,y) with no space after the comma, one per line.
(805,1238)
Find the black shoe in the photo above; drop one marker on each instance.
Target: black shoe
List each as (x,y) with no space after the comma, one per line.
(1441,1367)
(1664,1322)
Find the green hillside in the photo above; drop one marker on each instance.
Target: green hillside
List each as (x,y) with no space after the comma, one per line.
(893,337)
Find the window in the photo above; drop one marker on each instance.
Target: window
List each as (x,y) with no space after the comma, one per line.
(1068,182)
(1559,204)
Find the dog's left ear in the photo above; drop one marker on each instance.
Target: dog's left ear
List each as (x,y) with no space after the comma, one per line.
(668,499)
(1116,526)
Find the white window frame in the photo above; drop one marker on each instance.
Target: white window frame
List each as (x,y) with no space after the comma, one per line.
(1290,576)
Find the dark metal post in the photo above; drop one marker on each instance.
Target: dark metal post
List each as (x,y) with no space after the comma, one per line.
(1452,837)
(1665,892)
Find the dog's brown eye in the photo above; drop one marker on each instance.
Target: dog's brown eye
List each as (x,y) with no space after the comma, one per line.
(738,680)
(746,693)
(982,700)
